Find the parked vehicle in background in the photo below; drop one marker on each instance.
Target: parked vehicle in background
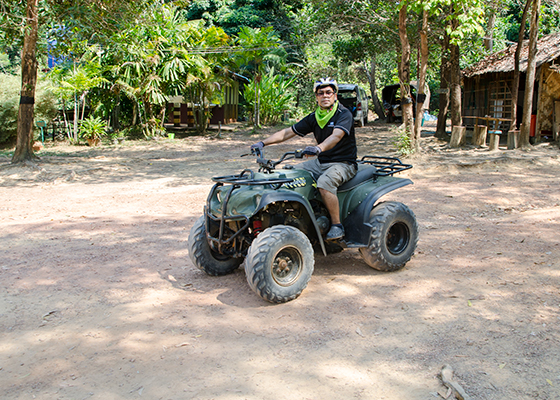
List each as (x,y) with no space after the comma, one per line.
(354,98)
(391,99)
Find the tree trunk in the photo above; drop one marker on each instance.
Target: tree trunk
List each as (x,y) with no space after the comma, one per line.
(404,73)
(421,80)
(455,92)
(515,88)
(76,114)
(66,126)
(530,82)
(135,112)
(24,143)
(456,117)
(377,106)
(443,88)
(203,114)
(83,101)
(256,119)
(489,39)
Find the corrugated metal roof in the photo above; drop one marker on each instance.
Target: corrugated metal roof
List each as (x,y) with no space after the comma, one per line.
(548,49)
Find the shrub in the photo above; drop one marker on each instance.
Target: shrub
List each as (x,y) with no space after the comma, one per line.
(276,96)
(93,128)
(10,86)
(403,143)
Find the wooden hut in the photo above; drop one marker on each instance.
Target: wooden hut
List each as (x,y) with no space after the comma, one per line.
(487,89)
(225,112)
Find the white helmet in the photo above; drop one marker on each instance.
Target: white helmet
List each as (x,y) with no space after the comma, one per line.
(325,82)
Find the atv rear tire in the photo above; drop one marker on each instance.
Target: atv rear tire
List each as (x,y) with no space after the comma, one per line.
(204,257)
(279,263)
(394,236)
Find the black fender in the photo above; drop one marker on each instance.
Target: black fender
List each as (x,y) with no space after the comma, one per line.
(357,225)
(279,196)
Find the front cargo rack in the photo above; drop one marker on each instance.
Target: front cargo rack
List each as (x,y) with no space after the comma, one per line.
(247,177)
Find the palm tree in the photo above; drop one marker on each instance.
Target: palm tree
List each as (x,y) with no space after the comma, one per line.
(256,44)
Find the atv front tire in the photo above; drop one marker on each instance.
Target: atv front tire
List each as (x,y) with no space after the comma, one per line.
(394,236)
(279,263)
(204,257)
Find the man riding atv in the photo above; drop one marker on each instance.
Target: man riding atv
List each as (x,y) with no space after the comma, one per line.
(332,124)
(273,220)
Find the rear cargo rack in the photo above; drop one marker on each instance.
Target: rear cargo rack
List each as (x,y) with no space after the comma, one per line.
(385,165)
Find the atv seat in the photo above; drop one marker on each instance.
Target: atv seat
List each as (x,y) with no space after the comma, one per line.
(364,174)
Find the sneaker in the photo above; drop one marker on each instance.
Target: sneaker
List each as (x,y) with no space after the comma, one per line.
(336,232)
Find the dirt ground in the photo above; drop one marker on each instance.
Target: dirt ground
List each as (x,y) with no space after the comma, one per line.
(99,299)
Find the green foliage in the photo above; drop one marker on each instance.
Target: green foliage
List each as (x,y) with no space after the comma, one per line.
(276,96)
(9,61)
(10,85)
(127,58)
(402,142)
(549,18)
(73,80)
(46,103)
(257,44)
(93,128)
(204,82)
(79,78)
(12,23)
(511,15)
(9,101)
(233,14)
(165,55)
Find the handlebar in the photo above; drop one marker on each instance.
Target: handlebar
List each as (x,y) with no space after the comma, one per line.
(267,165)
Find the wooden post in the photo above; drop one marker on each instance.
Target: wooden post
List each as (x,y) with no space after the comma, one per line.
(177,114)
(512,139)
(458,136)
(479,138)
(190,117)
(494,143)
(556,121)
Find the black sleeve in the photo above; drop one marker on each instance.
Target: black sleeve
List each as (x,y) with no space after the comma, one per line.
(305,125)
(345,121)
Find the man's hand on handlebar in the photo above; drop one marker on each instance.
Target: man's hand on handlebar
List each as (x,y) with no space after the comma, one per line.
(256,148)
(312,151)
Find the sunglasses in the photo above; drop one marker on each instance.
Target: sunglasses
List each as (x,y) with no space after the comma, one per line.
(328,93)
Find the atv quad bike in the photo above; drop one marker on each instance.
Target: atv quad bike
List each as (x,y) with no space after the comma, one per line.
(273,218)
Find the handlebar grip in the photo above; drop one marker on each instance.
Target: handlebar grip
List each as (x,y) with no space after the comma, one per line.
(258,152)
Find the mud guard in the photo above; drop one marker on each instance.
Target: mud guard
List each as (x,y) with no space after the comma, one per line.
(283,196)
(357,225)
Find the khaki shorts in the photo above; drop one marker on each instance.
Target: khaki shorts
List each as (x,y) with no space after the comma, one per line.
(329,176)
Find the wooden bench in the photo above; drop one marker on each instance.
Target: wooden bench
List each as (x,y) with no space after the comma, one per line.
(490,127)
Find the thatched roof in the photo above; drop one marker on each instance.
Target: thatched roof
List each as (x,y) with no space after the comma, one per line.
(548,49)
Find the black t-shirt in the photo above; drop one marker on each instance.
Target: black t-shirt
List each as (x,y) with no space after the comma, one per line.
(345,150)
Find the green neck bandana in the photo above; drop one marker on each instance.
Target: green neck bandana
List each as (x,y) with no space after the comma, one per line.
(323,116)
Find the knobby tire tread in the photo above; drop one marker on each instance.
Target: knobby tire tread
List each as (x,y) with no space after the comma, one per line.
(201,256)
(383,213)
(257,260)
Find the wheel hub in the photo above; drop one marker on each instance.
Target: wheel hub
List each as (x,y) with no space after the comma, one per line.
(286,266)
(397,238)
